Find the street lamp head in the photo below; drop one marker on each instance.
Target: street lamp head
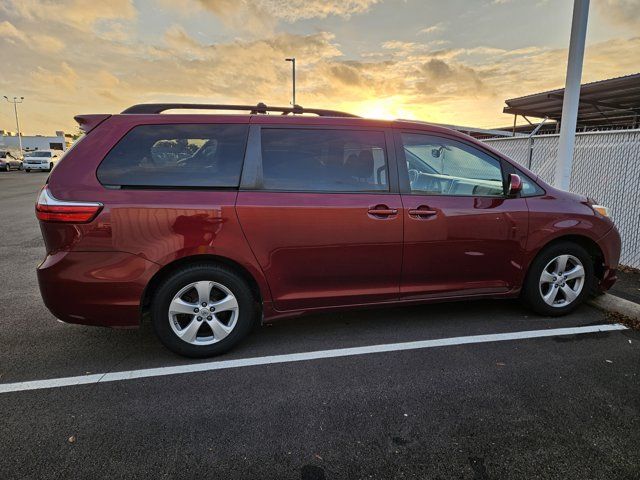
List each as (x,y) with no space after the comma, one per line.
(6,97)
(290,59)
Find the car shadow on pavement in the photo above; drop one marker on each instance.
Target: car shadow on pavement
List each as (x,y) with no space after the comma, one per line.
(79,350)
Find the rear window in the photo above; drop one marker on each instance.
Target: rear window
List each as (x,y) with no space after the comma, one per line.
(176,156)
(324,160)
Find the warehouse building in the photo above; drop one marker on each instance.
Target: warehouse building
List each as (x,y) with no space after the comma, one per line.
(10,141)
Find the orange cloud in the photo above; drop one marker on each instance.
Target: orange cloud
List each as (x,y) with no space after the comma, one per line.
(44,43)
(66,71)
(260,15)
(289,10)
(65,78)
(81,14)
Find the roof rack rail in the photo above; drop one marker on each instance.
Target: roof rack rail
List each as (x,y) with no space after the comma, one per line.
(152,108)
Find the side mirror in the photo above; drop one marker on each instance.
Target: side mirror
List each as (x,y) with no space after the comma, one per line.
(515,184)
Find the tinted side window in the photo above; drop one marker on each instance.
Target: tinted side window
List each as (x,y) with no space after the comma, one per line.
(177,156)
(324,160)
(438,166)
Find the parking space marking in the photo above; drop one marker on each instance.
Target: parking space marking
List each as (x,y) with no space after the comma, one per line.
(298,357)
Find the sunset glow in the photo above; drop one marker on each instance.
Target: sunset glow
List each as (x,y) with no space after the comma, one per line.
(453,62)
(384,108)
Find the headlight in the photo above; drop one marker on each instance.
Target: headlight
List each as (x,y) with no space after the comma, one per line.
(601,209)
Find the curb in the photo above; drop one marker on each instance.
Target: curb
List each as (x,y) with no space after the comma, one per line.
(611,303)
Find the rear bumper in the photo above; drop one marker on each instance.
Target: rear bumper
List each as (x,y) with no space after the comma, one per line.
(95,288)
(610,245)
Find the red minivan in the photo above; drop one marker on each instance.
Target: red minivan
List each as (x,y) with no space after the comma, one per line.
(210,223)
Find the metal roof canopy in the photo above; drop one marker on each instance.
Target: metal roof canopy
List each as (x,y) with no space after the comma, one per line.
(612,102)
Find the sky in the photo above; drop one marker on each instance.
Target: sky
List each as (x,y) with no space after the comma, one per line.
(450,61)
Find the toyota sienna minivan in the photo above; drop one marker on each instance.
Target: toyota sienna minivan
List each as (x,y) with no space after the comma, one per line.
(209,223)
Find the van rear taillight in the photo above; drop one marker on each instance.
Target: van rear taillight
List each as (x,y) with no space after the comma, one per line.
(50,209)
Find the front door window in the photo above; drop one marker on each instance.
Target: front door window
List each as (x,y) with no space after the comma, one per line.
(438,166)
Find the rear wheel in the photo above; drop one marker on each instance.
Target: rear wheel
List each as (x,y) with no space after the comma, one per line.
(559,279)
(203,310)
(27,170)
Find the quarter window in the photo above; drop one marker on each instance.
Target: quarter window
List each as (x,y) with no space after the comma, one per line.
(176,156)
(529,187)
(438,166)
(324,160)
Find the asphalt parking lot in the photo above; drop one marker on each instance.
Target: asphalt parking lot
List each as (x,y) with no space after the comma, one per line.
(549,407)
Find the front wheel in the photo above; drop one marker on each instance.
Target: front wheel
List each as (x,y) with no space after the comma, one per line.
(559,279)
(203,310)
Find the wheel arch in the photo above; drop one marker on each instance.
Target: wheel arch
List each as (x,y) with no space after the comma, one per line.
(590,245)
(171,267)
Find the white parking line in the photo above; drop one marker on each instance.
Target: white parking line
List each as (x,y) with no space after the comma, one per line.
(298,357)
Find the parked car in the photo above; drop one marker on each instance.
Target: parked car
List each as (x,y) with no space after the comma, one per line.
(42,160)
(209,223)
(9,161)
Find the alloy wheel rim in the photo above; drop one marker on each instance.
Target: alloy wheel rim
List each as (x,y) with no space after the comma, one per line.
(203,313)
(562,281)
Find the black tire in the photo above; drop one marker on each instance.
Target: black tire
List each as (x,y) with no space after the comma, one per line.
(27,170)
(165,292)
(50,166)
(531,293)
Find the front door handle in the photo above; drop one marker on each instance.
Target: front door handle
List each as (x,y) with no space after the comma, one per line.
(422,211)
(382,211)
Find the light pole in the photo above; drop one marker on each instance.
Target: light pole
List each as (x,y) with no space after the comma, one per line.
(15,102)
(571,99)
(293,72)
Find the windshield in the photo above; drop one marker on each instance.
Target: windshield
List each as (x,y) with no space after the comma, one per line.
(38,154)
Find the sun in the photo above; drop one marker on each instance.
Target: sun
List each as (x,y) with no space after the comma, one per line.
(389,108)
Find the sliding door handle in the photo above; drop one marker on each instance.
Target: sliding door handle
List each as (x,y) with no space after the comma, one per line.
(422,212)
(382,211)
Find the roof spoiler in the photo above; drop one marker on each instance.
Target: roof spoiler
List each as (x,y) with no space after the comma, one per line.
(154,108)
(86,123)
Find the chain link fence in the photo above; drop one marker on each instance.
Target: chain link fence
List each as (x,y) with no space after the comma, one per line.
(606,166)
